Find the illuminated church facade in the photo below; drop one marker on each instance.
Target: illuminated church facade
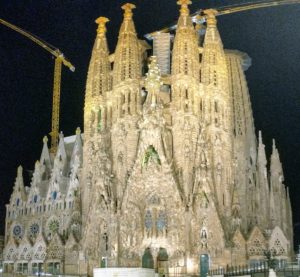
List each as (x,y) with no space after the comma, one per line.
(169,167)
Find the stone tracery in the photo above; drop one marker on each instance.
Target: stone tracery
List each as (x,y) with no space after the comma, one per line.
(173,172)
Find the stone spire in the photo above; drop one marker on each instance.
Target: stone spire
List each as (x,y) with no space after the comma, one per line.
(262,185)
(76,168)
(46,161)
(45,156)
(185,87)
(61,150)
(37,178)
(277,186)
(127,55)
(60,161)
(276,172)
(284,213)
(184,20)
(217,112)
(276,166)
(212,33)
(261,155)
(77,149)
(272,210)
(98,80)
(289,217)
(19,193)
(213,68)
(184,10)
(34,190)
(19,180)
(185,50)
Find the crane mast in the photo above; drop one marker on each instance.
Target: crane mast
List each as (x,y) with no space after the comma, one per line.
(59,60)
(56,104)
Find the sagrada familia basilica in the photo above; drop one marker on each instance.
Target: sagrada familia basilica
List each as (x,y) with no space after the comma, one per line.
(169,167)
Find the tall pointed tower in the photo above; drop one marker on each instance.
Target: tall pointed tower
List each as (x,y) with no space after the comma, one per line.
(127,64)
(277,188)
(262,192)
(185,90)
(245,150)
(218,115)
(98,83)
(170,171)
(185,63)
(97,112)
(126,101)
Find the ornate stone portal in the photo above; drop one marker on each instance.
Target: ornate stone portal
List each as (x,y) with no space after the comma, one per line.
(170,169)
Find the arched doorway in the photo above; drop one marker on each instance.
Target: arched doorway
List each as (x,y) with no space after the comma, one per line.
(204,265)
(162,262)
(147,259)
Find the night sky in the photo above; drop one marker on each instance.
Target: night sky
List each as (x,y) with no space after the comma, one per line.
(270,36)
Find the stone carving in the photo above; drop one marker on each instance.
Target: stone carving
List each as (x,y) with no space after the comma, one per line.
(170,165)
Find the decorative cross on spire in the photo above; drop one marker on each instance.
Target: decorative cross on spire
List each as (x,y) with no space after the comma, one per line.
(101,21)
(78,131)
(20,171)
(128,7)
(45,139)
(211,17)
(184,6)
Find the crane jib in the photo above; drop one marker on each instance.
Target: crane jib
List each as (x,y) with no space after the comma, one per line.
(59,60)
(198,16)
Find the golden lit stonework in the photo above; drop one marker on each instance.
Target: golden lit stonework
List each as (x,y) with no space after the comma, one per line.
(184,6)
(128,7)
(101,21)
(211,17)
(170,171)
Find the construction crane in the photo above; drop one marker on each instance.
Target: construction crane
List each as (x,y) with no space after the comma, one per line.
(59,60)
(198,16)
(162,38)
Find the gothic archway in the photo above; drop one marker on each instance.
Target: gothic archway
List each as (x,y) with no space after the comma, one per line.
(163,262)
(147,259)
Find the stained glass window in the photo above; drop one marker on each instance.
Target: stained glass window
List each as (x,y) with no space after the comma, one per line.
(34,229)
(17,231)
(161,221)
(151,154)
(148,220)
(54,226)
(54,195)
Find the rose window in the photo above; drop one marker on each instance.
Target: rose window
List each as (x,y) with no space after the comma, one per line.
(54,226)
(17,231)
(34,229)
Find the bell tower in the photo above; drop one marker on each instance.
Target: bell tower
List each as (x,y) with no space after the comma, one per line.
(97,112)
(126,100)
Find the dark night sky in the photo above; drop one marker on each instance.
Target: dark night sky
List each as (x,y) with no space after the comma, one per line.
(270,36)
